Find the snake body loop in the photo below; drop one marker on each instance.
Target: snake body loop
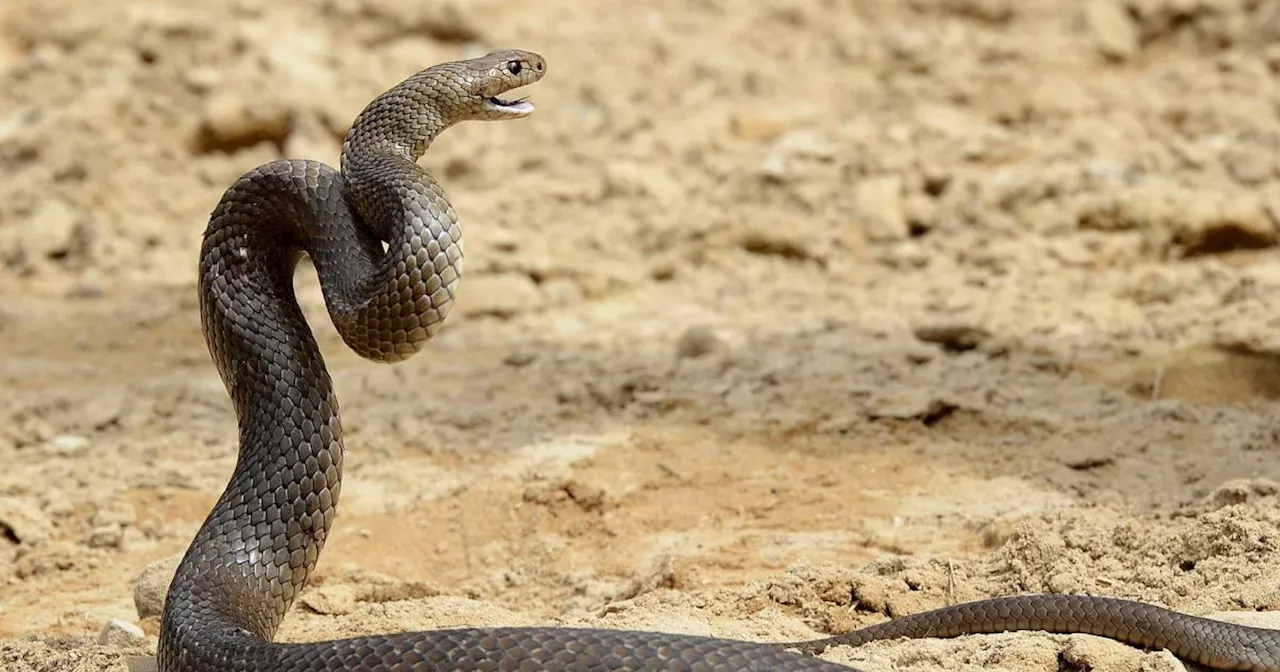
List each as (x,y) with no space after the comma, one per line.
(259,544)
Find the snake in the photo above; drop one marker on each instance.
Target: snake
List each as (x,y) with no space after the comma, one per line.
(388,251)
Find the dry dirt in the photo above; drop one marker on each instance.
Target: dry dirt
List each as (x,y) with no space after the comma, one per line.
(780,317)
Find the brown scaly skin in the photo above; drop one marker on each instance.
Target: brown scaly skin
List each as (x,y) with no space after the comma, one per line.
(259,544)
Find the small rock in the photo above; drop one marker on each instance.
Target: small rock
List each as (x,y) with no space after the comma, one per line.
(231,121)
(50,558)
(520,358)
(759,127)
(955,337)
(629,179)
(995,12)
(502,295)
(880,209)
(502,240)
(1114,34)
(663,270)
(905,255)
(586,496)
(54,230)
(442,22)
(152,585)
(911,405)
(921,213)
(774,169)
(201,79)
(115,512)
(1195,221)
(1216,223)
(1071,252)
(911,48)
(69,445)
(778,241)
(105,536)
(22,521)
(805,144)
(103,411)
(122,633)
(1093,653)
(1085,456)
(872,595)
(697,342)
(57,503)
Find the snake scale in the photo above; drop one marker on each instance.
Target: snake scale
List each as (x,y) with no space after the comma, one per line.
(387,247)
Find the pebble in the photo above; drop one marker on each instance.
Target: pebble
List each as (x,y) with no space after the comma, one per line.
(52,230)
(774,169)
(758,127)
(152,584)
(121,633)
(1207,220)
(628,178)
(103,411)
(880,209)
(698,341)
(778,241)
(910,405)
(105,536)
(1219,222)
(202,79)
(520,358)
(68,445)
(954,337)
(442,22)
(996,12)
(230,121)
(1113,32)
(22,520)
(806,144)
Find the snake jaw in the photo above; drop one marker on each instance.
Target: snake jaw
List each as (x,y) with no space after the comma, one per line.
(509,108)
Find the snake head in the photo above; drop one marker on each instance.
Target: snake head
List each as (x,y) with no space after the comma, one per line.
(492,75)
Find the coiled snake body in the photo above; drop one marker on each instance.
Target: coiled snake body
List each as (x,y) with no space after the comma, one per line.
(261,541)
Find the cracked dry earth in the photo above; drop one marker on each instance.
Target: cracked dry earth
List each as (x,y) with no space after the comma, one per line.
(781,317)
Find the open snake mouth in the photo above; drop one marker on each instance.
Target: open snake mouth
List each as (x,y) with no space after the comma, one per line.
(519,107)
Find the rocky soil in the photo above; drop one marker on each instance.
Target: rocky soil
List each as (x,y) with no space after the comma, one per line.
(781,317)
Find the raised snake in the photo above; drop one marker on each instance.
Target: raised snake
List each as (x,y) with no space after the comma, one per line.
(259,544)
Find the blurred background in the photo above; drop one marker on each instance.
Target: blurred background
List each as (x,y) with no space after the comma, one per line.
(780,316)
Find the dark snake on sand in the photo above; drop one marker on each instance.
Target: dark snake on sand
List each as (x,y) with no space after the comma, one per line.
(259,544)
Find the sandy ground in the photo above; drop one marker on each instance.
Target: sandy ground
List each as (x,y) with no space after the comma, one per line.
(781,317)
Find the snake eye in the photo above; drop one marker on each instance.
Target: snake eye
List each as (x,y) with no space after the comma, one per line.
(514,67)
